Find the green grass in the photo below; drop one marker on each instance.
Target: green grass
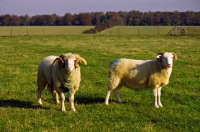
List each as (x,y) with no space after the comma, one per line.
(19,111)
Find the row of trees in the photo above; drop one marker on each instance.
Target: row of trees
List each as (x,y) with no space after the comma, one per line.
(112,18)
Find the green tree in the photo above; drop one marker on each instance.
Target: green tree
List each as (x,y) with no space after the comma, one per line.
(6,20)
(68,19)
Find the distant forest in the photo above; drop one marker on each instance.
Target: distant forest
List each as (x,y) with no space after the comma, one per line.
(110,19)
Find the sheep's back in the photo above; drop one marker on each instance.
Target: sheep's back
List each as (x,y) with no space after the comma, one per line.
(132,71)
(125,66)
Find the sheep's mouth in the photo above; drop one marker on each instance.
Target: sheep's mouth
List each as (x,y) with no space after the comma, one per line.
(69,70)
(169,66)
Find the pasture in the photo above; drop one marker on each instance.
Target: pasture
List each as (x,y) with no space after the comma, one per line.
(42,30)
(77,30)
(19,111)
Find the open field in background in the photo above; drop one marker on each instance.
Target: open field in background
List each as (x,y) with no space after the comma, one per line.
(42,30)
(77,30)
(19,111)
(151,30)
(139,30)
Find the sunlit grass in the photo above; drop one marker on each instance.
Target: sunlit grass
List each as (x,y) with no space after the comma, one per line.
(20,56)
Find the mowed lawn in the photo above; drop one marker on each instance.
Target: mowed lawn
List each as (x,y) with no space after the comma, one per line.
(19,110)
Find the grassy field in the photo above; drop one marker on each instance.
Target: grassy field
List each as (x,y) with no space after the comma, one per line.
(42,30)
(138,30)
(19,111)
(77,30)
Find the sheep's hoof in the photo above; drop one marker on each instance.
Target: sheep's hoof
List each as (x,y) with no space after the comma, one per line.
(106,102)
(72,109)
(62,109)
(40,102)
(156,106)
(57,102)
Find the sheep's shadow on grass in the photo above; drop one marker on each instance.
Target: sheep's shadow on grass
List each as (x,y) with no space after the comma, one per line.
(88,100)
(97,100)
(19,104)
(12,103)
(131,103)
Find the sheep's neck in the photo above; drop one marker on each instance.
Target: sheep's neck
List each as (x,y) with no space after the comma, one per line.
(164,71)
(66,78)
(67,75)
(165,74)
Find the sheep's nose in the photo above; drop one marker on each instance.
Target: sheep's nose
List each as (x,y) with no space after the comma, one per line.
(69,67)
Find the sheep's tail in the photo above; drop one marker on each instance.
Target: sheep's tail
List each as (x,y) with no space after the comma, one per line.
(112,63)
(109,74)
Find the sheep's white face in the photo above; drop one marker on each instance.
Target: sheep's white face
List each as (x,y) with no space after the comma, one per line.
(167,59)
(69,64)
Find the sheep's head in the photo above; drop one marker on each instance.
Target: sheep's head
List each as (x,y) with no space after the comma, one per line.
(69,61)
(66,61)
(166,58)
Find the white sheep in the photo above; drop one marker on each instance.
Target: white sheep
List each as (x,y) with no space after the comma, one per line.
(140,74)
(60,74)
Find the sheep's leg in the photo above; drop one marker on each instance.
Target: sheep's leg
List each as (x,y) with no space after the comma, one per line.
(107,96)
(71,99)
(159,95)
(113,84)
(39,96)
(54,93)
(62,102)
(116,91)
(41,86)
(155,93)
(57,97)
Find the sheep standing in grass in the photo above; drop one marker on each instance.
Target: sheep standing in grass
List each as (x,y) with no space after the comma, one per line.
(60,74)
(139,74)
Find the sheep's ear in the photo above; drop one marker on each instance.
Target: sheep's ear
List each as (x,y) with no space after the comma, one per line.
(175,57)
(60,61)
(161,53)
(78,60)
(62,56)
(159,56)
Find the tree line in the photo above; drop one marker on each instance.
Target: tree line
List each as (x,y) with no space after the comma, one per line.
(110,19)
